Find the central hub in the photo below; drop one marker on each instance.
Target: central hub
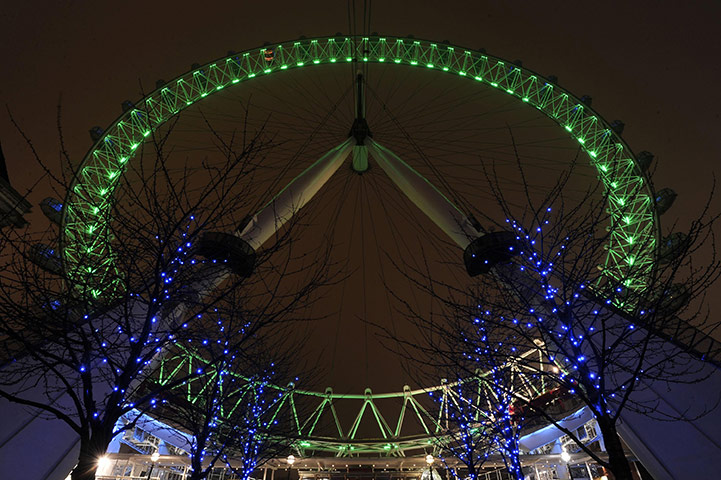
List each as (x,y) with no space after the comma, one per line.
(360,130)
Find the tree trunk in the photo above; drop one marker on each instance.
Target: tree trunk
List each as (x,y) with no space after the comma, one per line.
(512,460)
(196,469)
(91,450)
(513,465)
(617,462)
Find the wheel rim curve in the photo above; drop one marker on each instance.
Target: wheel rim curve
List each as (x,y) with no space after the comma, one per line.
(635,228)
(629,191)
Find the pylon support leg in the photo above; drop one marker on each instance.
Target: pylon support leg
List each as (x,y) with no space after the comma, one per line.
(294,196)
(425,195)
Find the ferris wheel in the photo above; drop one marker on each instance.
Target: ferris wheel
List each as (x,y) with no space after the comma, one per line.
(390,138)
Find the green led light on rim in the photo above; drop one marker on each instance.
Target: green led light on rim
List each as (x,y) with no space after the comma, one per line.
(88,201)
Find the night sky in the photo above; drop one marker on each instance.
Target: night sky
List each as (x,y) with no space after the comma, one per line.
(654,65)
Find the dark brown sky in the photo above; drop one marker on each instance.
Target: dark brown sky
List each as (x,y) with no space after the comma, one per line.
(654,65)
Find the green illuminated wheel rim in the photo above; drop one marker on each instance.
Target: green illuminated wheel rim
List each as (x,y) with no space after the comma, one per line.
(630,198)
(87,255)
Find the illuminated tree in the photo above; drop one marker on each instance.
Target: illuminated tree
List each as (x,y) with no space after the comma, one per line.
(85,351)
(230,421)
(233,414)
(478,407)
(479,422)
(604,337)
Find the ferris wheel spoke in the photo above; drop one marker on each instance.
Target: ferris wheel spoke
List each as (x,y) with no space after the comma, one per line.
(294,196)
(447,216)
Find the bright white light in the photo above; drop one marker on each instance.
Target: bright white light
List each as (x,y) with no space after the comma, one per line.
(155,456)
(555,369)
(104,465)
(290,460)
(604,477)
(429,459)
(565,456)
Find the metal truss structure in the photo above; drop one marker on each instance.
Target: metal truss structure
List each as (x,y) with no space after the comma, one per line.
(397,424)
(632,246)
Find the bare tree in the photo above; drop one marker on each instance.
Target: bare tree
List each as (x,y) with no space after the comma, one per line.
(601,341)
(233,414)
(478,418)
(81,339)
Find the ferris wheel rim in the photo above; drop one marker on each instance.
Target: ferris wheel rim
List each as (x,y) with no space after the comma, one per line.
(88,195)
(88,198)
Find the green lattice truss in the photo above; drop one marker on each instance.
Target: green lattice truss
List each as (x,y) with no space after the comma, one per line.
(398,424)
(633,236)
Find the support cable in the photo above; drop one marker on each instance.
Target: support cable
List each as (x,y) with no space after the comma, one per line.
(342,296)
(300,150)
(460,202)
(363,278)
